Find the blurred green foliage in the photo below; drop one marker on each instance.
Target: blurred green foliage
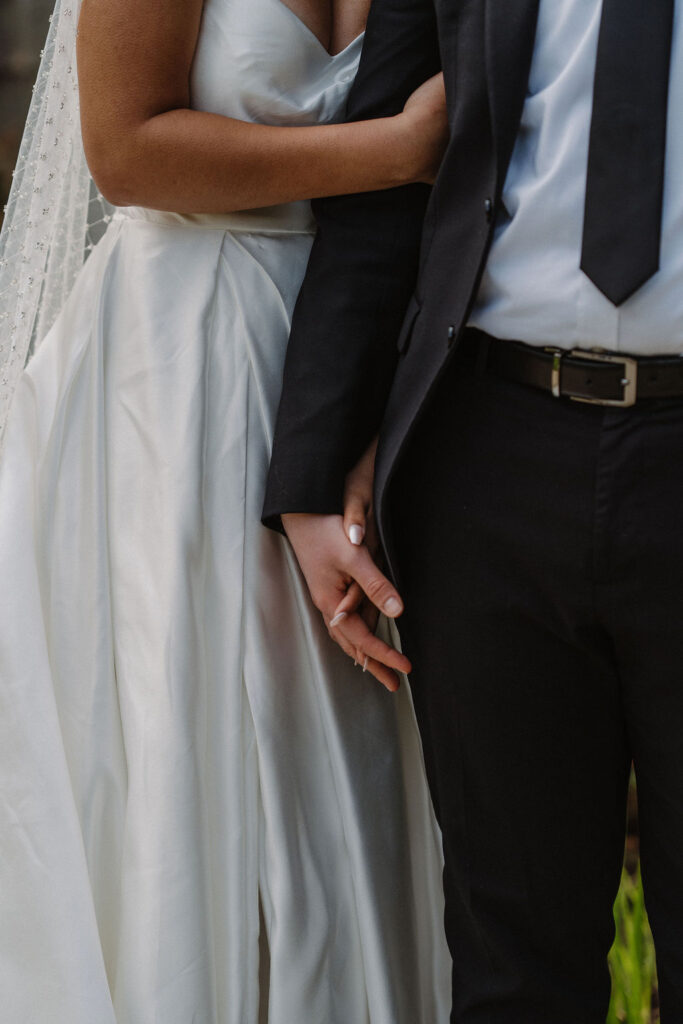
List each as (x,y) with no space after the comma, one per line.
(632,959)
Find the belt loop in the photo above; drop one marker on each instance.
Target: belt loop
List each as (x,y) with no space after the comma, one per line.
(556,374)
(482,355)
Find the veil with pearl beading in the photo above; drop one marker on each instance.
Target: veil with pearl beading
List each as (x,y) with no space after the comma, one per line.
(54,214)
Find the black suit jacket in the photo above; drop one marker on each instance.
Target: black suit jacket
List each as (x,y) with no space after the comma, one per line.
(392,275)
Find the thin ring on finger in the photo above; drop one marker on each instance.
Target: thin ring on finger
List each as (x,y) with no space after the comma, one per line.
(356,632)
(344,644)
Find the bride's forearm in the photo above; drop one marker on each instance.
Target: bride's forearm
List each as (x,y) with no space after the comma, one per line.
(193,162)
(146,147)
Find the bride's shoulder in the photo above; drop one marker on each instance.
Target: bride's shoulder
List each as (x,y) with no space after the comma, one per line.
(135,35)
(116,18)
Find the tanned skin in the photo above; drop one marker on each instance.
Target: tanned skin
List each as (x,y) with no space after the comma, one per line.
(146,147)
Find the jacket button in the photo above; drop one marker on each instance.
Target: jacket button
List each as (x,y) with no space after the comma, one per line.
(451,335)
(488,208)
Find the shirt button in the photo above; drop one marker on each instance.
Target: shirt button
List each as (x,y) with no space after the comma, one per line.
(451,335)
(488,208)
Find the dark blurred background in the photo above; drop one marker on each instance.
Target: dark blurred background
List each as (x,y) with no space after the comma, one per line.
(23,30)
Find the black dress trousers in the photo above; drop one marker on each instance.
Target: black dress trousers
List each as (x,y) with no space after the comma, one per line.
(540,554)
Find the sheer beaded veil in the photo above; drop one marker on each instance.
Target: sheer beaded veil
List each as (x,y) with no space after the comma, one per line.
(54,214)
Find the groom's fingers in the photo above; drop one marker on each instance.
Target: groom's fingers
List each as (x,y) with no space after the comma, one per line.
(375,585)
(386,676)
(355,600)
(353,597)
(355,631)
(339,639)
(381,673)
(370,615)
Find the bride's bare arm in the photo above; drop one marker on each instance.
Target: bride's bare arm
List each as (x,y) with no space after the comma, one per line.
(146,147)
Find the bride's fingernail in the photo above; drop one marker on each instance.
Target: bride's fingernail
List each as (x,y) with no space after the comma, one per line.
(356,534)
(365,663)
(392,607)
(338,618)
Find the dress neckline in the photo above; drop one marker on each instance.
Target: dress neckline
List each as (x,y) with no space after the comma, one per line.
(309,32)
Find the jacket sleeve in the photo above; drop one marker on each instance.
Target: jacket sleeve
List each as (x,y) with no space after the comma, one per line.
(361,274)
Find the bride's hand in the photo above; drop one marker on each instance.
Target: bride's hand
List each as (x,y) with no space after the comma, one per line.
(426,121)
(361,528)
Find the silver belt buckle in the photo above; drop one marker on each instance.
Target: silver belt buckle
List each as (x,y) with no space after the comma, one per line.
(629,381)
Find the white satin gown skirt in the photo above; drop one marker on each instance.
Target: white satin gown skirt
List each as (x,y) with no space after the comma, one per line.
(180,741)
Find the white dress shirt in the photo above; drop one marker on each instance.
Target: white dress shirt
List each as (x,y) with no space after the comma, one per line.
(533,289)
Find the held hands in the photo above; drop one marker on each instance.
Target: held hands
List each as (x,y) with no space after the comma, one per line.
(426,121)
(346,585)
(361,528)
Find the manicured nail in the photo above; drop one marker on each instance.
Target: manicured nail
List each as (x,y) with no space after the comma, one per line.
(355,663)
(356,534)
(365,664)
(392,607)
(338,618)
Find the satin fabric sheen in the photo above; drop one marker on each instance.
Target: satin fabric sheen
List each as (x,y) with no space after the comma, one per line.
(180,741)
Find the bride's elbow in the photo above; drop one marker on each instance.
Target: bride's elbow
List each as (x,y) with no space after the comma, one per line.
(115,171)
(113,188)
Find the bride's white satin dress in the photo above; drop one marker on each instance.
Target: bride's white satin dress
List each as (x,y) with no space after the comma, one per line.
(180,741)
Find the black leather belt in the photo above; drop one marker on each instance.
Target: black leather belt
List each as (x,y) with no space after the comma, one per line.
(595,376)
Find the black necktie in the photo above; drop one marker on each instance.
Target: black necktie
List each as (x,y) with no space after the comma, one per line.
(623,216)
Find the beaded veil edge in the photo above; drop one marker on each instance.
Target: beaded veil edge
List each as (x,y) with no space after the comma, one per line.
(54,214)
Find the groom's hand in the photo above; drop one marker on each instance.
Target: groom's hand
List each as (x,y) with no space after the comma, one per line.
(331,565)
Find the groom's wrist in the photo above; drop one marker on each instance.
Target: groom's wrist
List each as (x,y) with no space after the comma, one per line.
(303,490)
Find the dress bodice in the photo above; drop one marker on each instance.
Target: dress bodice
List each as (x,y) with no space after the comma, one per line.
(257,61)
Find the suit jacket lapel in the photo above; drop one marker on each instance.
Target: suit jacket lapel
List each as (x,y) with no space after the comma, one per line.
(510,35)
